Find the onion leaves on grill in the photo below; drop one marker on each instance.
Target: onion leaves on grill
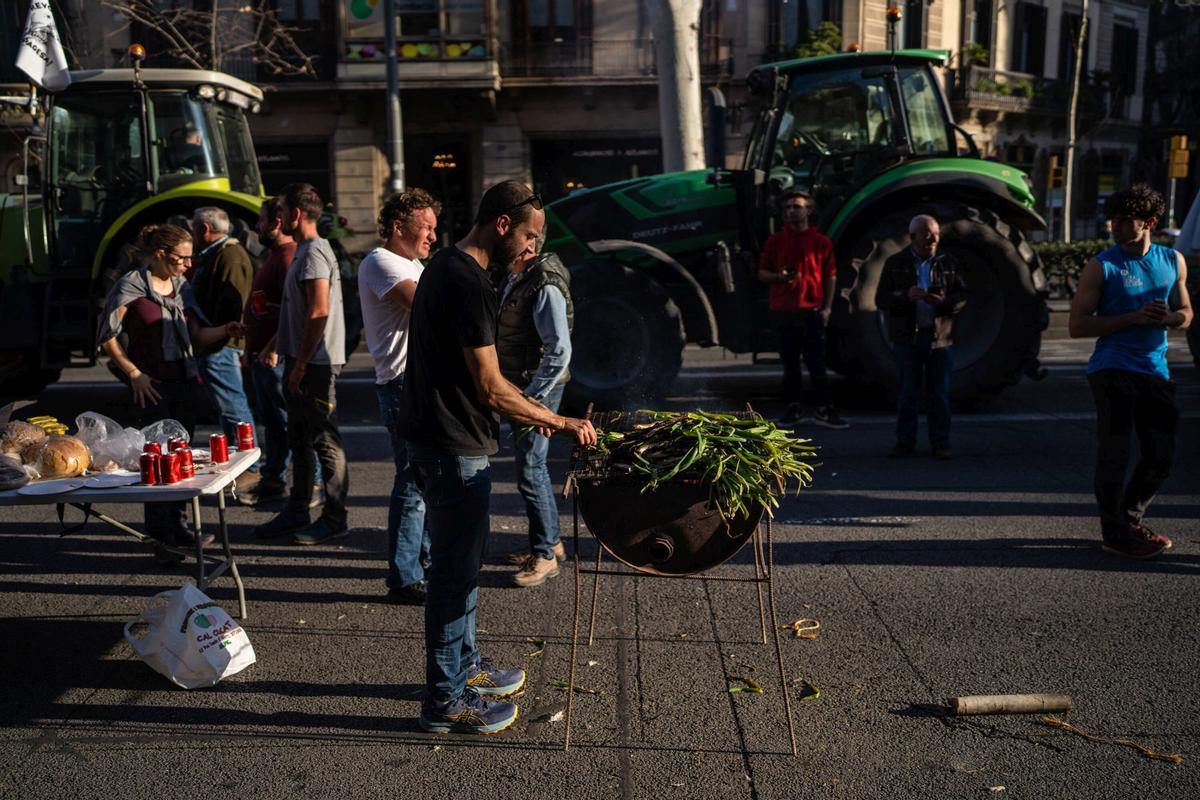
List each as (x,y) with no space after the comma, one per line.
(744,461)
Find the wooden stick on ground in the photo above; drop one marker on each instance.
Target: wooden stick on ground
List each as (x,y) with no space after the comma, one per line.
(1010,704)
(1174,758)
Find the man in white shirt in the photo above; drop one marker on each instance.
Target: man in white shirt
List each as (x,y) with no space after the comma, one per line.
(387,282)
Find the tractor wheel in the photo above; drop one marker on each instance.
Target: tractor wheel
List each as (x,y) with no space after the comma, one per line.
(997,335)
(627,343)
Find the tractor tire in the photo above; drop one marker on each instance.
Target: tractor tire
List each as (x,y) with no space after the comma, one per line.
(627,342)
(997,335)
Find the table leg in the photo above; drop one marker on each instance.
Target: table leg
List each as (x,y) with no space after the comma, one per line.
(200,582)
(233,570)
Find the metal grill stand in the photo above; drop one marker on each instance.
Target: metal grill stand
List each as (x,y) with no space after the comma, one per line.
(761,541)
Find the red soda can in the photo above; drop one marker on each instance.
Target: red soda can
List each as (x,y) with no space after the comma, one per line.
(175,443)
(218,447)
(245,436)
(168,470)
(150,465)
(153,447)
(258,300)
(187,467)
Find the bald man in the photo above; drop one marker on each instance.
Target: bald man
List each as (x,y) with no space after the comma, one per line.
(922,292)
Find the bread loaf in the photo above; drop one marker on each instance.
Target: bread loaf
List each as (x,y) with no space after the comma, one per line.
(59,457)
(17,436)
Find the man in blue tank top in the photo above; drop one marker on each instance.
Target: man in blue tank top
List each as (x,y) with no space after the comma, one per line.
(1128,296)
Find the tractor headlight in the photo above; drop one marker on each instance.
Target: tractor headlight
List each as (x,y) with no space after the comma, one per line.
(206,92)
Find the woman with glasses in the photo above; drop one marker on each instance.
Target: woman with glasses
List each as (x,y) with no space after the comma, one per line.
(153,310)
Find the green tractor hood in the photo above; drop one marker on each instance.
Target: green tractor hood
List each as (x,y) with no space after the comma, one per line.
(678,212)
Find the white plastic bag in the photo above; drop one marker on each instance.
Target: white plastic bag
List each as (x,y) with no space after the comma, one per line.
(111,446)
(189,639)
(165,430)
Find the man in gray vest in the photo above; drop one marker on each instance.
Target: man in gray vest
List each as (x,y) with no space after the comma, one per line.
(533,344)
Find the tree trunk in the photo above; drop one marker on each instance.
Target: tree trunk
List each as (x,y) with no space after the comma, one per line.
(676,27)
(1072,116)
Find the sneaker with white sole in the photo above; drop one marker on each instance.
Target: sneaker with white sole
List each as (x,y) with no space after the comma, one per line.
(492,682)
(828,418)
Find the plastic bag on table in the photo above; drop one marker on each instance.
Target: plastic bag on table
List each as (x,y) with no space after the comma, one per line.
(14,474)
(111,446)
(165,430)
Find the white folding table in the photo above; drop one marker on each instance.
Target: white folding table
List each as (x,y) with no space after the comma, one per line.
(207,484)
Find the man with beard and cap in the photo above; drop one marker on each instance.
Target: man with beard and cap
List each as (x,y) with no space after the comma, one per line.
(453,389)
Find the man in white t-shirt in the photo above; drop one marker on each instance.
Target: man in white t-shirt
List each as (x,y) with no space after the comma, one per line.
(387,281)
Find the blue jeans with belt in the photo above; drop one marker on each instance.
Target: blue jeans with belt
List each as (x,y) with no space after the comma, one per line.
(408,541)
(920,362)
(457,491)
(533,482)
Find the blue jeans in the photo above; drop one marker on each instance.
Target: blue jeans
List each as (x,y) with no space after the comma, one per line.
(533,482)
(408,541)
(267,383)
(223,379)
(457,491)
(916,362)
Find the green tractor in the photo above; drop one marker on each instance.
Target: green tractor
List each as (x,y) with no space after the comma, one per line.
(116,150)
(664,260)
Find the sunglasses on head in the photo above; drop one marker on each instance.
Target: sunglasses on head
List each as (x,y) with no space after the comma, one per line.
(534,200)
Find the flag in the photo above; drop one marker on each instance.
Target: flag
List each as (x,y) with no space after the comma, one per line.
(41,55)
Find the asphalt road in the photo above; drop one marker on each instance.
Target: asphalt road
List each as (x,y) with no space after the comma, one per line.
(930,579)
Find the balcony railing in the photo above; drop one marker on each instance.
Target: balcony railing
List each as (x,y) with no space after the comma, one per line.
(990,89)
(612,59)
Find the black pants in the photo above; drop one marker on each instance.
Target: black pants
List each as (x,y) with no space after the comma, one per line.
(801,335)
(165,520)
(1129,403)
(313,426)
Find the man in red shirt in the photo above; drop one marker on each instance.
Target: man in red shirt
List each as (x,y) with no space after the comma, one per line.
(797,264)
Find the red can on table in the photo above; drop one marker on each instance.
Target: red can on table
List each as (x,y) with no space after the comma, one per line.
(175,443)
(245,436)
(218,447)
(258,299)
(168,470)
(150,468)
(187,467)
(153,447)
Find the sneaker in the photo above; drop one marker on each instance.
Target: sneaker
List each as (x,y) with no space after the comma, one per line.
(468,713)
(266,490)
(320,531)
(411,595)
(1132,548)
(488,681)
(828,418)
(518,558)
(900,450)
(282,524)
(942,453)
(794,413)
(1145,534)
(535,571)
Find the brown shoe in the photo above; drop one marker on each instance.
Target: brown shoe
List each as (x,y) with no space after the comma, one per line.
(535,571)
(244,486)
(521,556)
(1133,548)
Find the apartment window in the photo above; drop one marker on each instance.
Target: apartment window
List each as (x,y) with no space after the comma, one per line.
(1066,47)
(1124,56)
(789,21)
(981,24)
(914,23)
(1029,39)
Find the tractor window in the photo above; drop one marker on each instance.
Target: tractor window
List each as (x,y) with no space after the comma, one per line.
(830,118)
(239,150)
(926,115)
(182,141)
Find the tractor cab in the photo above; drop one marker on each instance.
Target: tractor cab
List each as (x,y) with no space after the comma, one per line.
(116,139)
(830,125)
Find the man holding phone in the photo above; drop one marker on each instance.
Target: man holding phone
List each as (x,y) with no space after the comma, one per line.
(922,292)
(797,264)
(1128,296)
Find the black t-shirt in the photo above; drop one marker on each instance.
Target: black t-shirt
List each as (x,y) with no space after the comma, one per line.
(455,308)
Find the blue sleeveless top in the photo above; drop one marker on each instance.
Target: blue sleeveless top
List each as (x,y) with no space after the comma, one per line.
(1129,283)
